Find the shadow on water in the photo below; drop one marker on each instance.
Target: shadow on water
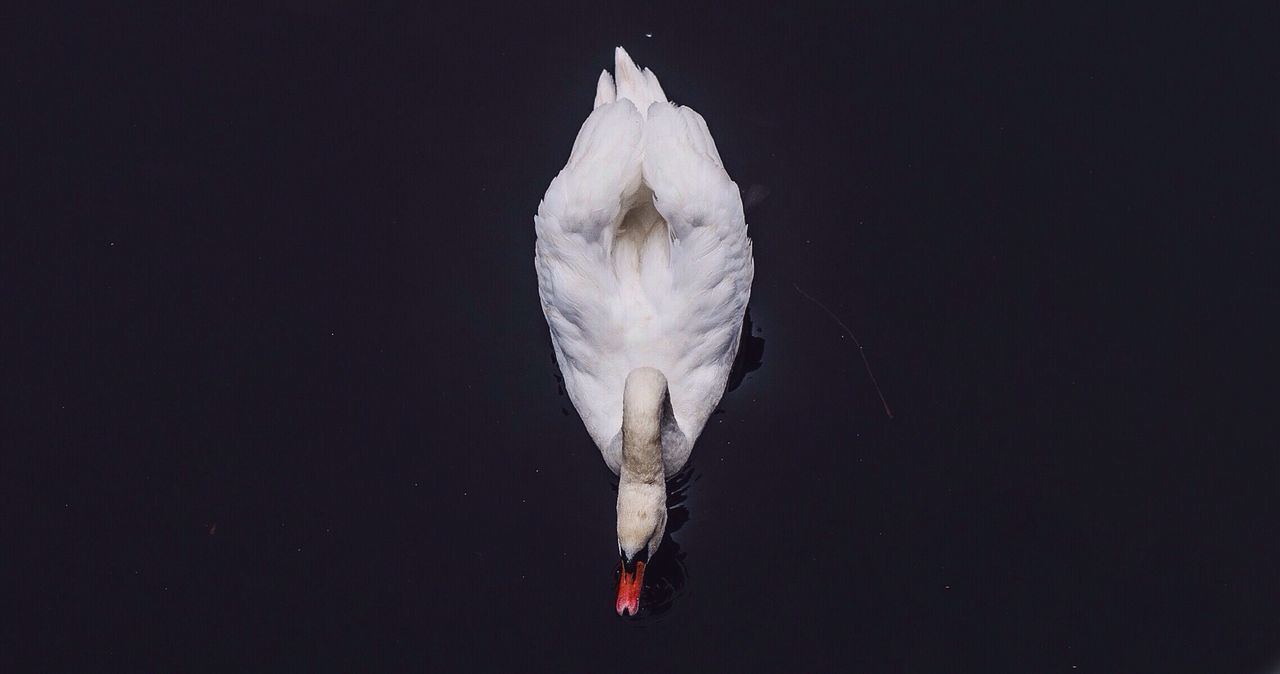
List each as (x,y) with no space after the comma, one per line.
(750,354)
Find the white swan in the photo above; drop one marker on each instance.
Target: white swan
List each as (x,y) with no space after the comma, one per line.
(644,271)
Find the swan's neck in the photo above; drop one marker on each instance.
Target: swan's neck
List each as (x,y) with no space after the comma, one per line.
(642,483)
(646,415)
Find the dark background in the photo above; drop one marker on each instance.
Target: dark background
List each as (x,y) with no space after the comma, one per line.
(280,397)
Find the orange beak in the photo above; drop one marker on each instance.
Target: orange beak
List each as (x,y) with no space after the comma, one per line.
(629,584)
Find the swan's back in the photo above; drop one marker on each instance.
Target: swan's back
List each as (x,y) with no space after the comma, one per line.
(642,257)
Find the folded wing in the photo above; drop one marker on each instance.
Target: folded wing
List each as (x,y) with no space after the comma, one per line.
(711,265)
(576,224)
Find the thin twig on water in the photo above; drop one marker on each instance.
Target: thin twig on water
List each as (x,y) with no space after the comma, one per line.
(861,352)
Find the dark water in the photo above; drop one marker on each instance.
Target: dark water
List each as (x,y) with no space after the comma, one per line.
(282,397)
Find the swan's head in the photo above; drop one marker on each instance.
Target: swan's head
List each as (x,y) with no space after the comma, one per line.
(642,521)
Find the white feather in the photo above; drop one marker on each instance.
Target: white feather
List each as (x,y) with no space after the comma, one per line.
(604,90)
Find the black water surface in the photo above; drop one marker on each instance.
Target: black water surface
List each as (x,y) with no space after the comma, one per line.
(279,396)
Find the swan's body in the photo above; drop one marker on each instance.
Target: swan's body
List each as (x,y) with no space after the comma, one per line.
(644,271)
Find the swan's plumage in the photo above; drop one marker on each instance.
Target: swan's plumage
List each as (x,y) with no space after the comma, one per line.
(643,260)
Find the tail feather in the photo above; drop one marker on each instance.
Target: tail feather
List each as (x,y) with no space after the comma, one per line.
(654,88)
(605,93)
(641,87)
